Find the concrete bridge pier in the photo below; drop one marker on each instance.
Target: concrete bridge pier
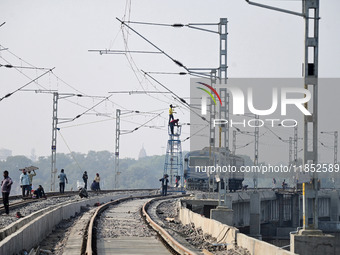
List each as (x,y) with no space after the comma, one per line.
(334,213)
(309,241)
(281,209)
(255,215)
(295,210)
(312,242)
(224,213)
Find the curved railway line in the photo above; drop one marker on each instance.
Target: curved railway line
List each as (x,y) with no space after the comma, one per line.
(122,222)
(129,244)
(46,215)
(160,241)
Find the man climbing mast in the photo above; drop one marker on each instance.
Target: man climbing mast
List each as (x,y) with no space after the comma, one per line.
(171,113)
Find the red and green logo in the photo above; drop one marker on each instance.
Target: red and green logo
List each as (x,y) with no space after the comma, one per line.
(209,93)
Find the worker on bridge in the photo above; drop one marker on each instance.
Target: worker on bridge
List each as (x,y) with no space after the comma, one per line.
(83,192)
(165,182)
(85,177)
(97,179)
(6,185)
(171,113)
(62,178)
(172,124)
(30,176)
(39,192)
(24,183)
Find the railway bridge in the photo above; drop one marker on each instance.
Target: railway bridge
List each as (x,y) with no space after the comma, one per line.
(255,222)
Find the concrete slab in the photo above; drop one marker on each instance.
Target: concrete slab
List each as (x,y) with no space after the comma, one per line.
(131,245)
(312,242)
(223,215)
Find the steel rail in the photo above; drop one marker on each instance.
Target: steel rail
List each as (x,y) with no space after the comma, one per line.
(89,238)
(89,235)
(163,233)
(55,195)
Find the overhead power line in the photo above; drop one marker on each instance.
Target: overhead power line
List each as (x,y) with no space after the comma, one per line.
(24,67)
(138,92)
(89,109)
(9,94)
(179,25)
(180,64)
(194,134)
(128,132)
(180,73)
(101,52)
(170,91)
(147,40)
(181,100)
(68,147)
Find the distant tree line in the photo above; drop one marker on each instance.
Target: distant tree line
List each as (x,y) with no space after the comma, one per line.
(142,173)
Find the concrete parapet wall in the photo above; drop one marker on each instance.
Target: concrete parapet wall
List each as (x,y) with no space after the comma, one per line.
(227,234)
(223,233)
(41,224)
(256,247)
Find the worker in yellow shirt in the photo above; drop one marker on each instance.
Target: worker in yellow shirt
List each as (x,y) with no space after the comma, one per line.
(171,113)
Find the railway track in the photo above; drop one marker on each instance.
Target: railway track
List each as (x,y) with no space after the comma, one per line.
(42,218)
(48,194)
(121,223)
(128,232)
(26,201)
(18,204)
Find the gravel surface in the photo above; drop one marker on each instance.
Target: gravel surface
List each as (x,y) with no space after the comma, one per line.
(124,220)
(34,207)
(168,209)
(31,208)
(41,204)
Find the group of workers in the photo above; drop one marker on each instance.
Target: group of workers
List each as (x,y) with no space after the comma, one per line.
(165,182)
(63,179)
(95,186)
(26,180)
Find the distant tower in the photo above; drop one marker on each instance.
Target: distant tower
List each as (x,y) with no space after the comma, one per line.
(173,159)
(33,156)
(142,153)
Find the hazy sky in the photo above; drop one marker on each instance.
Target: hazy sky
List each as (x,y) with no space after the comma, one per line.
(261,43)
